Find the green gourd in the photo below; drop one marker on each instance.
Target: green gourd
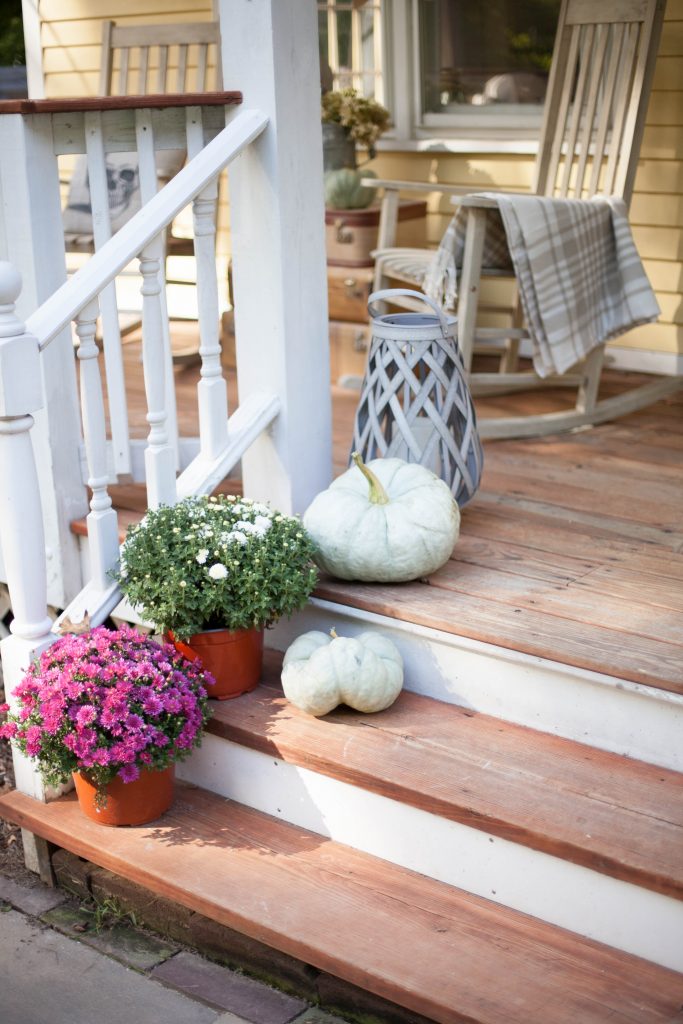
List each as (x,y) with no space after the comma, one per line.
(343,189)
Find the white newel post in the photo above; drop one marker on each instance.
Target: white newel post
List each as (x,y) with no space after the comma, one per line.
(270,53)
(32,239)
(21,523)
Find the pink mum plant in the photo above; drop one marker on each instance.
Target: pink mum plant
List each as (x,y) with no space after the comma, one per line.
(107,703)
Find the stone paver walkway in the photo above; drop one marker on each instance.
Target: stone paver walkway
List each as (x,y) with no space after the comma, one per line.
(55,968)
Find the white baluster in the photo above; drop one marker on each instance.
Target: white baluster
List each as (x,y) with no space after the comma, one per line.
(111,333)
(144,135)
(102,519)
(159,454)
(212,392)
(21,525)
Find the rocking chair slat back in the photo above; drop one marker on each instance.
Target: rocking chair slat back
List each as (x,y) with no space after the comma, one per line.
(594,116)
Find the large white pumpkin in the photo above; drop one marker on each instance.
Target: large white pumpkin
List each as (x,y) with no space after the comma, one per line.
(321,670)
(387,522)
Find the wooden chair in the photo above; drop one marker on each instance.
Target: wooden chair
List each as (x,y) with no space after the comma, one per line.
(594,115)
(127,40)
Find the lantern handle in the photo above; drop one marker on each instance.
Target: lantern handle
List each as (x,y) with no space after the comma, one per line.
(389,293)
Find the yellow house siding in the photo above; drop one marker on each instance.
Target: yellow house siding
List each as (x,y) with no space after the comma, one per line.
(657,205)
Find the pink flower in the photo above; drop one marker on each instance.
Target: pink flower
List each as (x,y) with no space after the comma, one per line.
(129,772)
(109,702)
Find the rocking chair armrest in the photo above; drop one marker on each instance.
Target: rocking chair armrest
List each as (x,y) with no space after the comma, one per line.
(416,186)
(479,202)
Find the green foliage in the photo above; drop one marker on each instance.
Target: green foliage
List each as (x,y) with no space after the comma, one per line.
(343,189)
(11,34)
(220,562)
(107,912)
(364,119)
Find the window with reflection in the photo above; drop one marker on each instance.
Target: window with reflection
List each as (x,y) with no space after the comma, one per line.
(495,54)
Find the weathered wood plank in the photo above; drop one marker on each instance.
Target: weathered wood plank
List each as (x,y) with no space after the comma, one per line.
(615,815)
(453,957)
(555,637)
(146,101)
(614,580)
(552,597)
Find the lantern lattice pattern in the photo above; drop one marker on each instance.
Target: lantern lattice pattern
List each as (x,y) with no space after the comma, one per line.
(415,403)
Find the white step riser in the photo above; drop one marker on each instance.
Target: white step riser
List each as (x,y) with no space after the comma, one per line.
(616,913)
(603,711)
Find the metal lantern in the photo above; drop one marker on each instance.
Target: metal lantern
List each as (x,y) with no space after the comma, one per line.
(415,403)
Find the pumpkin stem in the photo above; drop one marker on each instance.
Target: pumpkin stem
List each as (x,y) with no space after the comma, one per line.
(334,634)
(378,496)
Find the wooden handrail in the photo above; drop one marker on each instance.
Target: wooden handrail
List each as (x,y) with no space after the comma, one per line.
(152,101)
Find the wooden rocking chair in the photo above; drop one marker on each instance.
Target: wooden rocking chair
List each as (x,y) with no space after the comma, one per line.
(600,80)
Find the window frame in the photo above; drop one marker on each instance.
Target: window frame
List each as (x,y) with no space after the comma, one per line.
(518,127)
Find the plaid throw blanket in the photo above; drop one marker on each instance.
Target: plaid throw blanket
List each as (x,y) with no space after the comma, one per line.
(580,279)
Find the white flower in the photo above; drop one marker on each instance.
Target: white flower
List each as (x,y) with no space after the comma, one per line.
(237,538)
(247,527)
(262,524)
(262,510)
(202,555)
(183,583)
(218,571)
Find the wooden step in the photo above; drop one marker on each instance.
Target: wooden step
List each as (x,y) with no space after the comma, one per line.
(425,946)
(614,815)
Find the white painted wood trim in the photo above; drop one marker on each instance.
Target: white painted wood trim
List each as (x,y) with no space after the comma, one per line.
(640,360)
(31,222)
(277,231)
(34,51)
(136,233)
(588,707)
(568,895)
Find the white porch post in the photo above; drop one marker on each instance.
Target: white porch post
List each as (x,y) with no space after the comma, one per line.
(270,53)
(31,237)
(21,526)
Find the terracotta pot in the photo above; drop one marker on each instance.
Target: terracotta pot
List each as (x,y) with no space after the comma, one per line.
(234,657)
(128,803)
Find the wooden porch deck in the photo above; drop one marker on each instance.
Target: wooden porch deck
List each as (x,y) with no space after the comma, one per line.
(571,551)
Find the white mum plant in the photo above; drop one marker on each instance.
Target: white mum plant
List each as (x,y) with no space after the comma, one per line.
(222,562)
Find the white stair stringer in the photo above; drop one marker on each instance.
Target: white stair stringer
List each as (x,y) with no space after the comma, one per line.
(617,913)
(603,711)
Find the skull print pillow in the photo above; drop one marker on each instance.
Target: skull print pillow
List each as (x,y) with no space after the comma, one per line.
(123,190)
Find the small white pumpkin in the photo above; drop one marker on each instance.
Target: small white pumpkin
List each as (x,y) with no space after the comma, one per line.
(320,671)
(387,522)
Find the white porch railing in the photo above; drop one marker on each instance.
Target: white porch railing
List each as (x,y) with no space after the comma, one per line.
(222,441)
